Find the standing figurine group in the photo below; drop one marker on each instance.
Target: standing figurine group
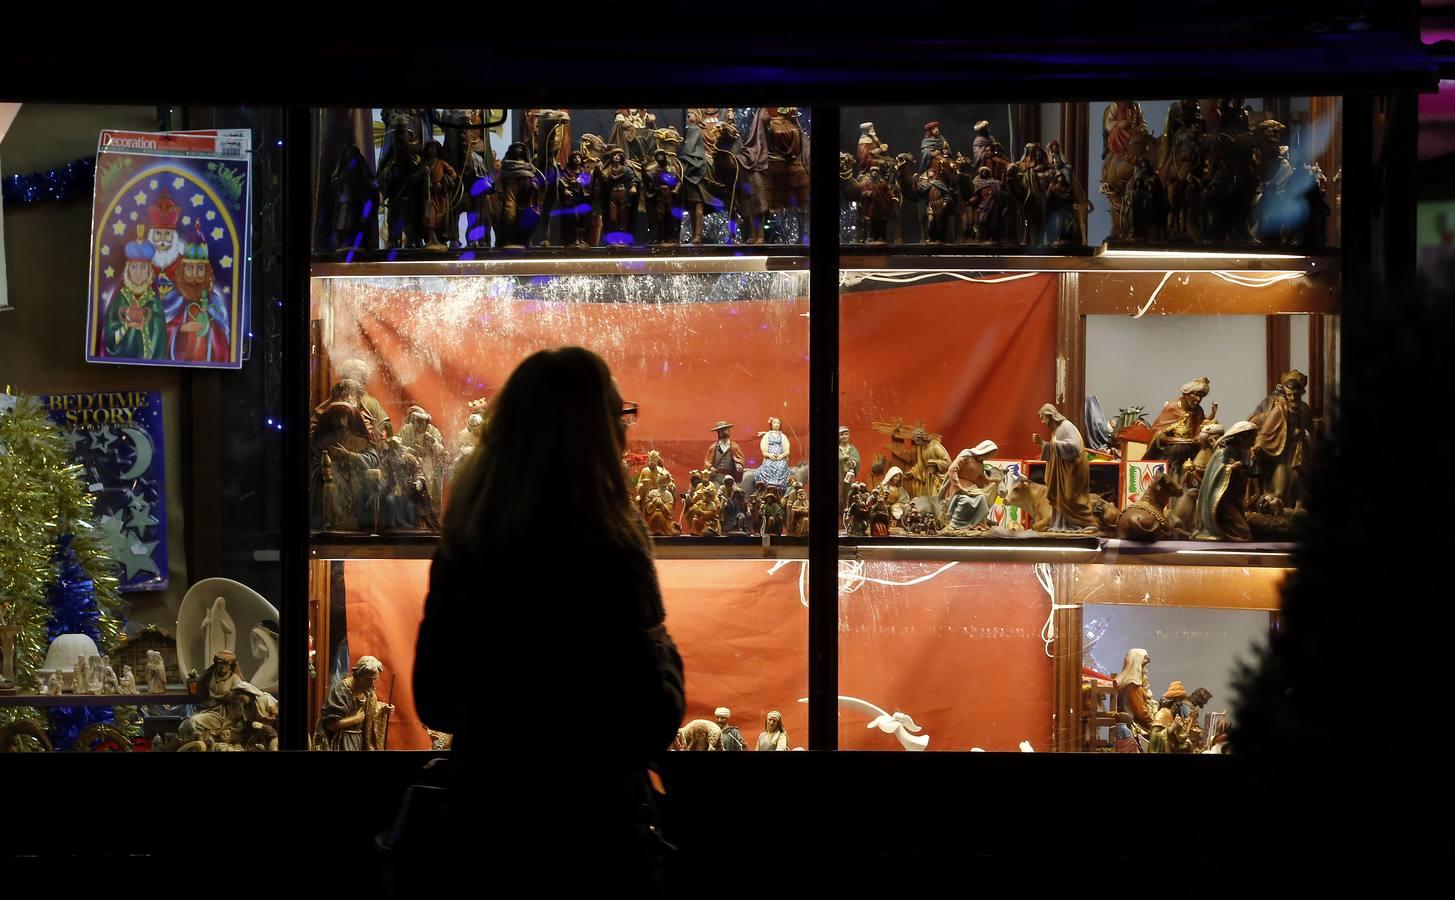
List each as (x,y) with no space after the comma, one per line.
(724,497)
(950,197)
(366,477)
(1215,176)
(545,191)
(1238,483)
(707,735)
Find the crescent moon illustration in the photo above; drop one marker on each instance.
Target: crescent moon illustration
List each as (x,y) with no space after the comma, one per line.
(143,442)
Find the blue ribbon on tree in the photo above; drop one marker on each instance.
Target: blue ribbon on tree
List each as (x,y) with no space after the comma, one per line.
(73,611)
(69,181)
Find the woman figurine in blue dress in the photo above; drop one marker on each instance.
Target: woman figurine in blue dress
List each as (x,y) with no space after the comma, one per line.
(774,470)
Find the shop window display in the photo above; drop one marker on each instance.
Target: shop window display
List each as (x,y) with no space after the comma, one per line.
(1005,441)
(1099,338)
(114,639)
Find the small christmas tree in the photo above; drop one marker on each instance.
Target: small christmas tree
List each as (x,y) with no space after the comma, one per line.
(54,570)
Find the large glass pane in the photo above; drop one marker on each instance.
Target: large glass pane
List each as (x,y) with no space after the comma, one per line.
(414,336)
(1080,344)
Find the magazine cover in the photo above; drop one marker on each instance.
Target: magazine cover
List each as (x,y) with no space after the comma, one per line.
(170,254)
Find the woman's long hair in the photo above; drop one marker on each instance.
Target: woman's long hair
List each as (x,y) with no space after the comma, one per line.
(549,466)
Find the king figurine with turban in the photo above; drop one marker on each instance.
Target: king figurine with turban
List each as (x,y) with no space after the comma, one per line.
(135,326)
(197,319)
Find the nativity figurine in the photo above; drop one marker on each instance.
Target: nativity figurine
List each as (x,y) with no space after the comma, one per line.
(663,186)
(774,446)
(1283,447)
(1220,514)
(856,510)
(521,189)
(724,457)
(355,195)
(970,489)
(1068,474)
(421,438)
(353,717)
(615,208)
(1175,430)
(1146,519)
(849,461)
(734,507)
(156,673)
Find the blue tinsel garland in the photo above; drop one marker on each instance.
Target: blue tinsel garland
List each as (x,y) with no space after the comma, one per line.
(70,181)
(73,611)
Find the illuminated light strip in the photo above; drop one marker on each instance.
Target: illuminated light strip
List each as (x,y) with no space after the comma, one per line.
(1230,277)
(982,548)
(894,278)
(1180,254)
(1250,281)
(1235,552)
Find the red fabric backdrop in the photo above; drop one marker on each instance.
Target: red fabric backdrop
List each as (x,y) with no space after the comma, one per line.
(973,361)
(687,364)
(960,652)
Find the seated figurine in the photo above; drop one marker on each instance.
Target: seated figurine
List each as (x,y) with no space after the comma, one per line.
(970,488)
(230,708)
(657,510)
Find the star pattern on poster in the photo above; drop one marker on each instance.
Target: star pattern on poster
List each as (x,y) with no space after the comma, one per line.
(140,514)
(112,532)
(138,558)
(133,215)
(177,183)
(198,200)
(102,439)
(119,228)
(226,262)
(153,184)
(109,272)
(186,220)
(105,249)
(217,234)
(211,214)
(140,198)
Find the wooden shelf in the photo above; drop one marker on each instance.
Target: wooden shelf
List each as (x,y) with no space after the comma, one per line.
(1081,550)
(177,698)
(422,546)
(561,261)
(1030,549)
(967,258)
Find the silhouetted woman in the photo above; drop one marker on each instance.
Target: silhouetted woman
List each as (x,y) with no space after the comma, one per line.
(543,649)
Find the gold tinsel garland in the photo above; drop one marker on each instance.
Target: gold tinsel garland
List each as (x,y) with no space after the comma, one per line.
(42,497)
